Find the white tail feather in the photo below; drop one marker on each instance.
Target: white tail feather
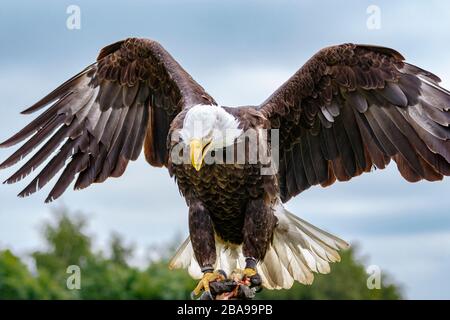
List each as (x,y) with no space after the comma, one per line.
(298,249)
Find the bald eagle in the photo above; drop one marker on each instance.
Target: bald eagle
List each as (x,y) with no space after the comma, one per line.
(349,109)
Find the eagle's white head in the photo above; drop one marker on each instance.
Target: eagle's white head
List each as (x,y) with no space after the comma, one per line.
(206,128)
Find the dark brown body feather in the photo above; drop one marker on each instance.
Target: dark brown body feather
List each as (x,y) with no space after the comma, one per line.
(226,189)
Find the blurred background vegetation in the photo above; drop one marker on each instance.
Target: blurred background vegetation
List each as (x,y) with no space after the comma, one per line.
(110,276)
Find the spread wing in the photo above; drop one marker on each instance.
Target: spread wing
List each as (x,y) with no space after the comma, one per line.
(100,118)
(354,107)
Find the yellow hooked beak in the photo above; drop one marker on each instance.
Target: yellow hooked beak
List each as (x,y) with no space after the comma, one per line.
(198,152)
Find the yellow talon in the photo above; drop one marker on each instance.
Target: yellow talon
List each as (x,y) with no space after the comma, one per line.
(249,272)
(207,278)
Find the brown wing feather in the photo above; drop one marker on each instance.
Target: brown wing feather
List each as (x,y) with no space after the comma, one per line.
(100,117)
(370,107)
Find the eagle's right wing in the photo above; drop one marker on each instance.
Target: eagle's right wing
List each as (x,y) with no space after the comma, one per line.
(102,115)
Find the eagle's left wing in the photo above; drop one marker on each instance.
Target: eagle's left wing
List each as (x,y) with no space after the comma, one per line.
(353,107)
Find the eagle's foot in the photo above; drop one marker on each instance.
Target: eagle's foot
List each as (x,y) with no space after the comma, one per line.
(203,284)
(249,272)
(253,276)
(250,277)
(240,285)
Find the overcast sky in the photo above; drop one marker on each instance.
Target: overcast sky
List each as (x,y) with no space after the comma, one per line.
(240,51)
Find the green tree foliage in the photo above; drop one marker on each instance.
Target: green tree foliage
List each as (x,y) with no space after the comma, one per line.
(120,253)
(15,279)
(111,276)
